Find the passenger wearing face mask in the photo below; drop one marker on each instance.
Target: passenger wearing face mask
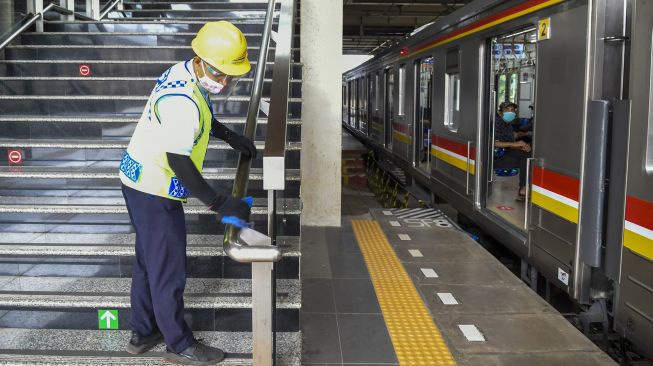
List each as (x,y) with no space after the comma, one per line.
(516,152)
(160,169)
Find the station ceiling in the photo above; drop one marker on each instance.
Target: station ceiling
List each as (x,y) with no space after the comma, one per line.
(372,25)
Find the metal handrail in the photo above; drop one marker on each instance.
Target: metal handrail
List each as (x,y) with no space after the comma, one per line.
(33,18)
(234,245)
(108,8)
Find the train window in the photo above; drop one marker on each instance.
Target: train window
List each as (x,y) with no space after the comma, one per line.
(362,103)
(389,106)
(501,89)
(452,89)
(352,103)
(402,90)
(424,82)
(514,83)
(344,96)
(376,92)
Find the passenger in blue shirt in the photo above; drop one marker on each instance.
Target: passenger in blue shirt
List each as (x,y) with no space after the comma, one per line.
(516,152)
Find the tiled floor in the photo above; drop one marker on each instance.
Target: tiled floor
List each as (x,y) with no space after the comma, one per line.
(340,319)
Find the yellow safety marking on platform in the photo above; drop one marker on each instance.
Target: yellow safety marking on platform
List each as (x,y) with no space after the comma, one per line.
(415,337)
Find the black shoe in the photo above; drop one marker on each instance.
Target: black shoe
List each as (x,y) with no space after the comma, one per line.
(197,354)
(138,344)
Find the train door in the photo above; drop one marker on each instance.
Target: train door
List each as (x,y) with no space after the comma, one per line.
(345,108)
(423,113)
(376,127)
(389,108)
(512,67)
(634,318)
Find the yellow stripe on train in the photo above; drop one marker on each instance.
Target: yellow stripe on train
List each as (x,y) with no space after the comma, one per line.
(554,206)
(453,160)
(398,136)
(638,244)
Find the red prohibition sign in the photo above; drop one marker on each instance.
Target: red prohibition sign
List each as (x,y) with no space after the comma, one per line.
(84,70)
(15,157)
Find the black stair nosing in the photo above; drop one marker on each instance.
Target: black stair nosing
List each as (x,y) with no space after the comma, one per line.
(181,21)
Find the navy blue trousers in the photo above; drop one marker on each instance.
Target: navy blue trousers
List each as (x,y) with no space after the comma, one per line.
(159,270)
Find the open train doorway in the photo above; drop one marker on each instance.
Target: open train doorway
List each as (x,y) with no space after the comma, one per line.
(512,100)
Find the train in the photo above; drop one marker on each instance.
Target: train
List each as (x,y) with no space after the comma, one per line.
(577,74)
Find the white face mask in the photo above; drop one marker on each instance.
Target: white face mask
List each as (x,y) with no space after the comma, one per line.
(209,84)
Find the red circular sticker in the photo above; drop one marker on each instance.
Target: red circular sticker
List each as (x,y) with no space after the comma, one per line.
(505,208)
(15,156)
(84,70)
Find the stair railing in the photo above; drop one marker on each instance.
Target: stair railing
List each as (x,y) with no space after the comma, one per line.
(263,256)
(36,11)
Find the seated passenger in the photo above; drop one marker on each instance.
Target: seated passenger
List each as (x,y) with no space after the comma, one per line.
(516,151)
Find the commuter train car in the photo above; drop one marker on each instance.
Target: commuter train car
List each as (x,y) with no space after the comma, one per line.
(579,73)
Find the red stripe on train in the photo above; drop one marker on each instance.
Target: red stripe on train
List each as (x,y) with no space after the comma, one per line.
(453,146)
(556,182)
(521,7)
(639,212)
(401,128)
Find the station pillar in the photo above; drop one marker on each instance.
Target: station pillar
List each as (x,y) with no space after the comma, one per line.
(321,54)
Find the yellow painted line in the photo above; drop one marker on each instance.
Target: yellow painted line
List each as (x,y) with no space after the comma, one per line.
(377,126)
(415,337)
(458,163)
(402,137)
(638,244)
(556,207)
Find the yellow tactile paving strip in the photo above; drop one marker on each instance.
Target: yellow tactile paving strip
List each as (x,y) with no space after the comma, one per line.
(415,337)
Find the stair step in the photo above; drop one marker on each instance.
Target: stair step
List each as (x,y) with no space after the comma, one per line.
(120,38)
(118,86)
(22,347)
(140,25)
(118,119)
(114,52)
(110,144)
(108,68)
(116,205)
(119,245)
(96,292)
(30,172)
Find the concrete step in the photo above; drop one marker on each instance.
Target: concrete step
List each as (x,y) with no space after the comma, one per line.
(113,52)
(116,205)
(119,86)
(125,105)
(36,127)
(119,38)
(69,67)
(142,25)
(22,347)
(116,245)
(31,173)
(97,292)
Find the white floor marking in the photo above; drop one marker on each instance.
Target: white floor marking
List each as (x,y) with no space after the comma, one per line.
(404,236)
(471,333)
(415,253)
(447,298)
(429,273)
(394,223)
(387,213)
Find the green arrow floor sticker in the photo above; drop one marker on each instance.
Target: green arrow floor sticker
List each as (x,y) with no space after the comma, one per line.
(107,319)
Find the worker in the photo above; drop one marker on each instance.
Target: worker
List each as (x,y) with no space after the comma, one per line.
(160,169)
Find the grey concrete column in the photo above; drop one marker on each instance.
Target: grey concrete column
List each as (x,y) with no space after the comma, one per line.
(6,15)
(321,53)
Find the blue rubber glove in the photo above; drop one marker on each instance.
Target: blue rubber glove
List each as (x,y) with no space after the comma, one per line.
(237,222)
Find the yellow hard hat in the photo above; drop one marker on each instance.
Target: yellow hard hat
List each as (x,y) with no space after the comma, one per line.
(222,46)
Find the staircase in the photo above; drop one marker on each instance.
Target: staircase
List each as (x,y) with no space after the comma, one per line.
(67,246)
